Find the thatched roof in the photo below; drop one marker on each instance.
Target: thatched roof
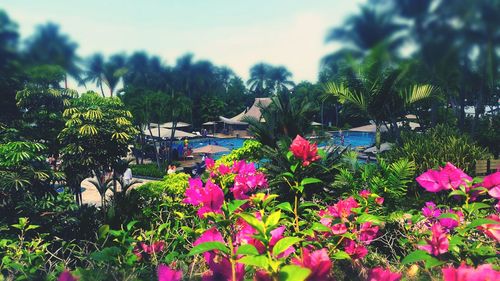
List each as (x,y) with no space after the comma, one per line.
(253,112)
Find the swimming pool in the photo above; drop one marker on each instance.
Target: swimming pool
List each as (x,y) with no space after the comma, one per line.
(354,139)
(230,143)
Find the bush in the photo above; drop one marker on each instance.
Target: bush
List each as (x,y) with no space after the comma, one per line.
(148,170)
(437,146)
(251,151)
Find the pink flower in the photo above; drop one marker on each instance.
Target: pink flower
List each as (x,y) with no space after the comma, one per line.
(356,251)
(66,276)
(247,180)
(449,177)
(223,169)
(342,209)
(364,193)
(492,183)
(451,223)
(304,150)
(165,273)
(430,210)
(318,262)
(466,273)
(452,177)
(491,230)
(339,229)
(380,274)
(210,197)
(143,250)
(367,232)
(430,181)
(379,200)
(438,244)
(210,163)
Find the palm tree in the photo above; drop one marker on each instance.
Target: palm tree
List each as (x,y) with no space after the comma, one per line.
(180,106)
(279,79)
(378,94)
(49,46)
(259,79)
(95,71)
(113,70)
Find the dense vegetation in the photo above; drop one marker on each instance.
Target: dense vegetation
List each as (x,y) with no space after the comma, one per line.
(278,208)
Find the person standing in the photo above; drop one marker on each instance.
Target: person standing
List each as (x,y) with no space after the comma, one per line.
(127,176)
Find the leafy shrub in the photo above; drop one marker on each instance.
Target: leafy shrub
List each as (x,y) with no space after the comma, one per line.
(147,170)
(389,180)
(437,146)
(249,151)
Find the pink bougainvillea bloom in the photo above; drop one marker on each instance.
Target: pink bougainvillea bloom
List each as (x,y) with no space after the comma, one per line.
(438,244)
(210,163)
(430,181)
(165,273)
(367,232)
(318,262)
(210,198)
(492,183)
(342,209)
(364,193)
(356,251)
(452,177)
(451,223)
(483,272)
(491,230)
(66,276)
(210,235)
(223,169)
(247,180)
(379,200)
(430,210)
(381,274)
(304,150)
(277,235)
(339,229)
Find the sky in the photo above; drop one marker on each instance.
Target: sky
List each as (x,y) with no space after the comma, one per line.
(234,33)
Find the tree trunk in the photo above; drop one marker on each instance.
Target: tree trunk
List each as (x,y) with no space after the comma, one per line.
(172,135)
(102,90)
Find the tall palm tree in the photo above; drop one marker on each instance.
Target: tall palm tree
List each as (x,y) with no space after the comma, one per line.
(279,79)
(49,46)
(259,79)
(379,94)
(113,70)
(95,71)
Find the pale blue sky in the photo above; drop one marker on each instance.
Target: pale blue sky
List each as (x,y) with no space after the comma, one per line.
(234,33)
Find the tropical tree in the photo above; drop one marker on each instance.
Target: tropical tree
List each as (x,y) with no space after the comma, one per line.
(49,46)
(279,79)
(259,79)
(11,76)
(379,93)
(95,71)
(96,135)
(113,70)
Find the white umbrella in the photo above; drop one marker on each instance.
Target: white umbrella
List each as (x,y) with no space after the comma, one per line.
(210,149)
(167,133)
(383,147)
(316,124)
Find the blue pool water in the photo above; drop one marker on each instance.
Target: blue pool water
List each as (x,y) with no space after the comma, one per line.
(354,139)
(231,143)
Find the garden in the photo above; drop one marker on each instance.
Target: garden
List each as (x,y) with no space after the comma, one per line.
(293,203)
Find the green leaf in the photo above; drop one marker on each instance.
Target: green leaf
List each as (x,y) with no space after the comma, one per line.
(103,231)
(289,155)
(131,224)
(307,181)
(285,206)
(432,262)
(288,175)
(341,255)
(320,227)
(457,192)
(234,205)
(273,219)
(294,273)
(247,249)
(449,216)
(208,246)
(475,206)
(482,221)
(258,261)
(369,218)
(415,256)
(254,222)
(283,244)
(294,167)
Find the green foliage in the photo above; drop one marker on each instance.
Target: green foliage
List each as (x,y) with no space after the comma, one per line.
(437,146)
(250,151)
(147,170)
(389,180)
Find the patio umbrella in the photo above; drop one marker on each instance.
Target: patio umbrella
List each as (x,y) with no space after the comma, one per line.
(383,147)
(210,149)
